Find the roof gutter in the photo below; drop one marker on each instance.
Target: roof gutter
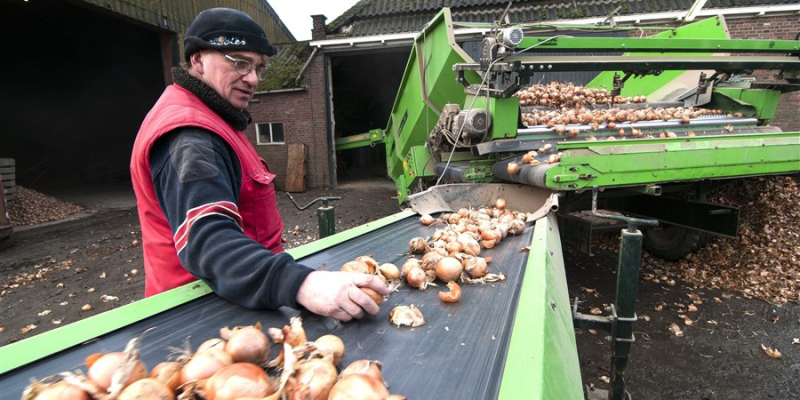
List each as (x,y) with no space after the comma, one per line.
(629,20)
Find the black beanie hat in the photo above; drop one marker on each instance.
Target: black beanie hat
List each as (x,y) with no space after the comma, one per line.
(225,29)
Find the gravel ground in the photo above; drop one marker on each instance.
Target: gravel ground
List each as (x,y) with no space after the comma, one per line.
(57,273)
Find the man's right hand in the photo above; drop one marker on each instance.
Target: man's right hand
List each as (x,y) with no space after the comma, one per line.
(339,294)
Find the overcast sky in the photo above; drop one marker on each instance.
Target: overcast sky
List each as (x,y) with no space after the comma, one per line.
(296,14)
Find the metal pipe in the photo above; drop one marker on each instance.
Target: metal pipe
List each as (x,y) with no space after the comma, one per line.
(311,57)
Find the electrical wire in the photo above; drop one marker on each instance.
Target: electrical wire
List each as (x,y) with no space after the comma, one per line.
(478,90)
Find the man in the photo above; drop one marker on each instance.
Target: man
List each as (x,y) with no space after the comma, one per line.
(206,200)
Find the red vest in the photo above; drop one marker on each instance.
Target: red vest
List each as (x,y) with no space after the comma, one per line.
(257,207)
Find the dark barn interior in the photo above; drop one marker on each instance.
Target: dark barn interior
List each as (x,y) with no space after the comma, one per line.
(364,89)
(77,84)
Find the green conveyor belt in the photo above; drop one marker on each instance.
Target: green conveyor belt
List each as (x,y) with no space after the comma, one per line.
(461,352)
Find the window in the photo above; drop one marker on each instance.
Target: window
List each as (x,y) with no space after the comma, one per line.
(269,133)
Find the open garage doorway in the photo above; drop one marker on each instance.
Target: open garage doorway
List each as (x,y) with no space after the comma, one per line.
(77,83)
(364,88)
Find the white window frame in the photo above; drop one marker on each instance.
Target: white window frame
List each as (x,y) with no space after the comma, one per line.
(261,125)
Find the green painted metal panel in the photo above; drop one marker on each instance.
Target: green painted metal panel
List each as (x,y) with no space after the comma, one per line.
(26,351)
(708,29)
(505,117)
(657,44)
(353,142)
(542,360)
(614,164)
(29,350)
(765,101)
(428,83)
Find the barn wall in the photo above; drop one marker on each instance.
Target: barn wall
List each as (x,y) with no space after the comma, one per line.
(783,28)
(779,28)
(303,116)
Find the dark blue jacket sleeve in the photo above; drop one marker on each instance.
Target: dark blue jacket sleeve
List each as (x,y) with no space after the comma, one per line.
(192,167)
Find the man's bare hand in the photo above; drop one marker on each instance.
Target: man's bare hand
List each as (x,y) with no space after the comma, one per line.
(338,294)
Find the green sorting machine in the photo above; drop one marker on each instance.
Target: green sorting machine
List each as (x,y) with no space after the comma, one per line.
(460,136)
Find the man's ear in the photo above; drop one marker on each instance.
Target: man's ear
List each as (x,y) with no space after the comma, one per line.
(196,60)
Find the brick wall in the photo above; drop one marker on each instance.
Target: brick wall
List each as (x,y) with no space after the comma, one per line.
(787,116)
(303,116)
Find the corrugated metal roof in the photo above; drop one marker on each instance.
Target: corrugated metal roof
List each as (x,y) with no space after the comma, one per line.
(176,16)
(378,17)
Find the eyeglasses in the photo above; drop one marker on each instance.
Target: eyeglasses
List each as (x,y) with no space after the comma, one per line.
(243,67)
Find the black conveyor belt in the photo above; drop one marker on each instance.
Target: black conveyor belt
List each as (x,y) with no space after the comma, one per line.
(458,354)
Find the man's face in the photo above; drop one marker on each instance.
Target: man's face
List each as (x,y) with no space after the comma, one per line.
(220,73)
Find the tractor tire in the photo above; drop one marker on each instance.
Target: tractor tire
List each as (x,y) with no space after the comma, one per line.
(670,242)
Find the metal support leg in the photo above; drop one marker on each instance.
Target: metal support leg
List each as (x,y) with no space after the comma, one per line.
(325,214)
(623,311)
(327,221)
(630,256)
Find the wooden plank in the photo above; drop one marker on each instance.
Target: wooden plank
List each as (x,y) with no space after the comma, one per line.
(5,224)
(296,168)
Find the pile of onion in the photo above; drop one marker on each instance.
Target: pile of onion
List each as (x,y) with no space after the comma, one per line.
(234,366)
(452,254)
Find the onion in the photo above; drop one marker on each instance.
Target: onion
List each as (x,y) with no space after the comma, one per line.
(430,275)
(453,295)
(238,380)
(313,380)
(488,244)
(210,343)
(426,219)
(62,390)
(204,364)
(527,157)
(331,344)
(168,373)
(500,204)
(375,296)
(476,267)
(454,247)
(372,264)
(418,245)
(147,388)
(516,227)
(294,333)
(91,358)
(430,259)
(448,269)
(453,218)
(416,278)
(573,132)
(389,271)
(408,265)
(472,247)
(355,266)
(358,386)
(246,344)
(103,369)
(366,367)
(513,168)
(490,234)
